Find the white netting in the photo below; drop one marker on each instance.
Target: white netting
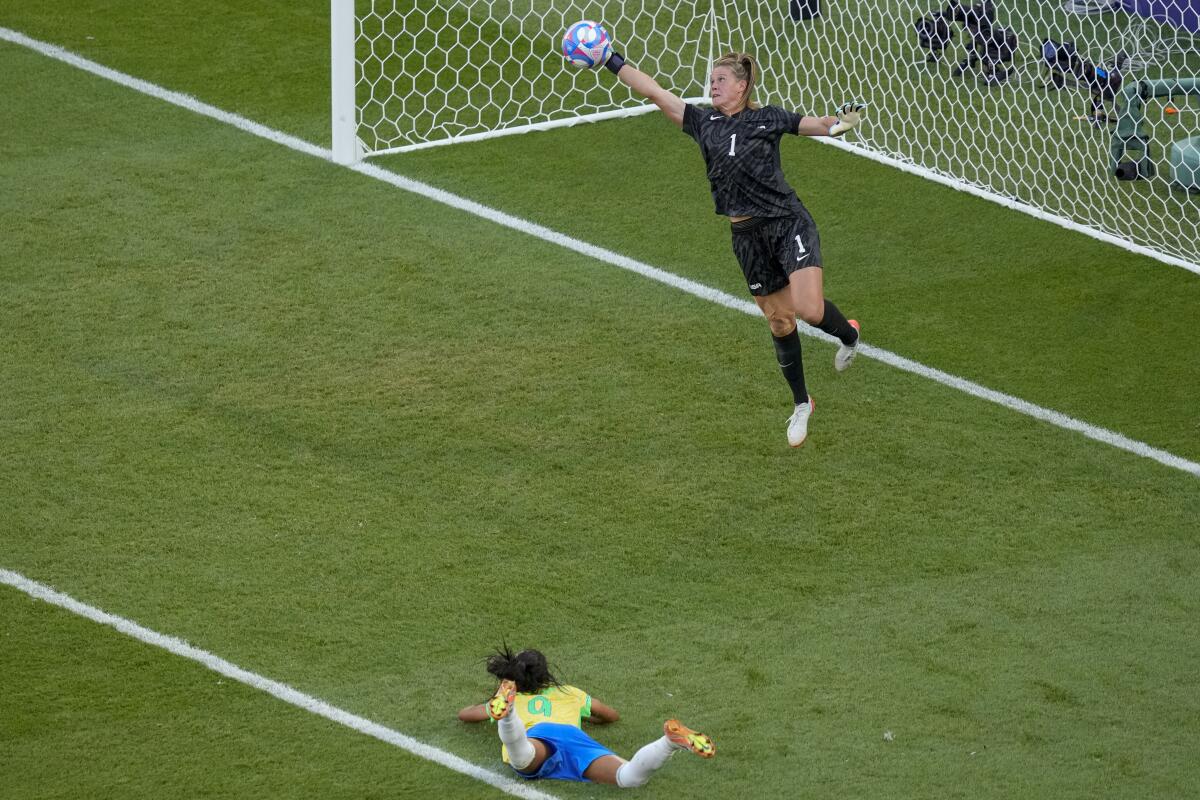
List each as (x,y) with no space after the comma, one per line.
(444,70)
(1001,123)
(985,109)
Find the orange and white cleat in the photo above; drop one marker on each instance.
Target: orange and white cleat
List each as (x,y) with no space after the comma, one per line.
(845,354)
(685,738)
(502,701)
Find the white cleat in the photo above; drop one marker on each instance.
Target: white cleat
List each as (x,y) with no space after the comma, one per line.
(845,354)
(798,423)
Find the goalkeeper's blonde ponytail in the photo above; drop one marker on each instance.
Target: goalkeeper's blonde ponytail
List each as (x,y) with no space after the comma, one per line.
(744,68)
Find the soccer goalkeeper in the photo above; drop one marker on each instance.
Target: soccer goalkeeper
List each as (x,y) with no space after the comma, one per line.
(774,237)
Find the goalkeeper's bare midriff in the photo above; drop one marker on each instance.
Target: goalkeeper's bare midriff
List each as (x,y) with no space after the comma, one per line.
(739,219)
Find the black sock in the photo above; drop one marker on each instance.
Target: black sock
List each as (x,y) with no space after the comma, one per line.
(834,323)
(787,350)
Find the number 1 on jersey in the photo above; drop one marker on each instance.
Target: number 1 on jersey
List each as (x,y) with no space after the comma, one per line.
(800,244)
(732,144)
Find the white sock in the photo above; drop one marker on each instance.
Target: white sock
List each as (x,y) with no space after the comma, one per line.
(512,733)
(645,762)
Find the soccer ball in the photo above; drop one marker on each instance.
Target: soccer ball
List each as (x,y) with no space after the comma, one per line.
(586,45)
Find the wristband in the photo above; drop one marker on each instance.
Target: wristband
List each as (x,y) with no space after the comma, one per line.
(615,62)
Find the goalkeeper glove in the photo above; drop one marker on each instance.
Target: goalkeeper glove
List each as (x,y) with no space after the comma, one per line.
(849,115)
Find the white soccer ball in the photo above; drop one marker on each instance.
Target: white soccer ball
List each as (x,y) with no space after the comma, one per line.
(586,45)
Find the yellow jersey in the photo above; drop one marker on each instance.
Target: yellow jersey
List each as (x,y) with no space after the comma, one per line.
(566,705)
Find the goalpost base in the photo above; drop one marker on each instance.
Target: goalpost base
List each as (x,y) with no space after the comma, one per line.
(536,126)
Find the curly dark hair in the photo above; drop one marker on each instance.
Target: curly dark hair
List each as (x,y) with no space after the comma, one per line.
(528,669)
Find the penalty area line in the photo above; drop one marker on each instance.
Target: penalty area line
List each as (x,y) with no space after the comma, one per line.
(287,694)
(1058,419)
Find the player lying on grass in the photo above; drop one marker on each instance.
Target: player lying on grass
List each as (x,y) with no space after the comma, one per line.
(774,237)
(538,720)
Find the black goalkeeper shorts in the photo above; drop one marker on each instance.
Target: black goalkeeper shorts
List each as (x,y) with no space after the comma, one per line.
(772,248)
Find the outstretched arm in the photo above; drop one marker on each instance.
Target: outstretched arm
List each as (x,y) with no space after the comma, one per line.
(602,714)
(647,87)
(816,126)
(846,119)
(475,713)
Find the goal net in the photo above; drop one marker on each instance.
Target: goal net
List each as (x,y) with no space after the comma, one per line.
(1033,103)
(437,71)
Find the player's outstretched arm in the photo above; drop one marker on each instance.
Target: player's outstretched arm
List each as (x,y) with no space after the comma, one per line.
(816,126)
(846,119)
(647,87)
(602,714)
(475,713)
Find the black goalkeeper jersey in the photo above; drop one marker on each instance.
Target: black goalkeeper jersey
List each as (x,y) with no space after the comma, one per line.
(742,156)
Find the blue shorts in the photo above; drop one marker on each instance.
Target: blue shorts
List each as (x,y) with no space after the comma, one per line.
(571,752)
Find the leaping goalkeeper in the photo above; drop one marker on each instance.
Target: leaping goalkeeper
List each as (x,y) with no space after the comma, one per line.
(774,237)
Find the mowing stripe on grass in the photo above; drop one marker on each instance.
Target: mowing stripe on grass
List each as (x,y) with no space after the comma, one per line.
(282,691)
(585,249)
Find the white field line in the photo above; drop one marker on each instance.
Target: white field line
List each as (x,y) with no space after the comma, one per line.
(287,694)
(584,249)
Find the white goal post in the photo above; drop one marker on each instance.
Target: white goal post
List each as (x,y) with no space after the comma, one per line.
(1083,112)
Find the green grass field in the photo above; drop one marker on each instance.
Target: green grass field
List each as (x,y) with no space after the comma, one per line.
(351,439)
